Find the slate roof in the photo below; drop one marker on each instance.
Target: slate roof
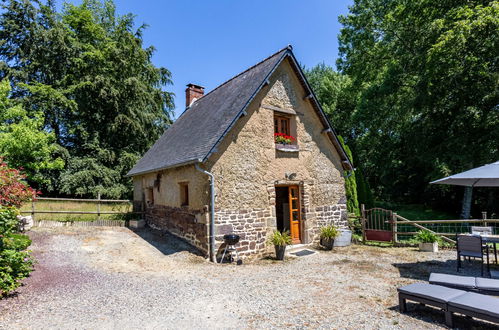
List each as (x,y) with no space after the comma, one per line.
(197,132)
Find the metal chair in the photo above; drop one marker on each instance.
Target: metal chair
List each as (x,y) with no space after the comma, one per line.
(471,246)
(480,230)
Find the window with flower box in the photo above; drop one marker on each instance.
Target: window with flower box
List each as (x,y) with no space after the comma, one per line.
(284,131)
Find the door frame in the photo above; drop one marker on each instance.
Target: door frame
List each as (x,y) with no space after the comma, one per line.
(296,210)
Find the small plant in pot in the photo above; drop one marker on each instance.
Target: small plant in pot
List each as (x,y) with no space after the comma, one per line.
(280,240)
(328,234)
(428,241)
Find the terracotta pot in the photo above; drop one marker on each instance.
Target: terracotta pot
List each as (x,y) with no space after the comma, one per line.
(280,250)
(327,243)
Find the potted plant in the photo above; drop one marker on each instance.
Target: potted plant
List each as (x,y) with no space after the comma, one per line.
(328,234)
(280,240)
(428,241)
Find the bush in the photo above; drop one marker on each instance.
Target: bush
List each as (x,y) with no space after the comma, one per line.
(17,242)
(280,239)
(425,236)
(14,266)
(15,262)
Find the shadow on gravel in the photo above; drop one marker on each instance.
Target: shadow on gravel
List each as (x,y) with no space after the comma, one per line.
(165,242)
(421,270)
(434,316)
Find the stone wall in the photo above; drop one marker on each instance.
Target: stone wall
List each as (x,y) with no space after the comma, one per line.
(250,224)
(182,222)
(329,215)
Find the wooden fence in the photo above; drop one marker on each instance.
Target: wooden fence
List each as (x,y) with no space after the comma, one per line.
(97,211)
(385,225)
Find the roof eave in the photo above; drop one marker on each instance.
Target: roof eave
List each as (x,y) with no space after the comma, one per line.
(345,161)
(188,162)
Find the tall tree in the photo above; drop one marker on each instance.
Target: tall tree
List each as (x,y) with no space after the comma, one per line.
(23,142)
(94,82)
(427,83)
(333,91)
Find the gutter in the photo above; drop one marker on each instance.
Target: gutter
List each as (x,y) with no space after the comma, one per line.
(212,212)
(187,162)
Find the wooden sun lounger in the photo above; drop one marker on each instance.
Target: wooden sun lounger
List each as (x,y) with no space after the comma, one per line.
(450,301)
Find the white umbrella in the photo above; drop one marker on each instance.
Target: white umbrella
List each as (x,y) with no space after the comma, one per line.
(483,176)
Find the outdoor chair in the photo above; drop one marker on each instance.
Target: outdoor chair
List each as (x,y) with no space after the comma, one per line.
(479,230)
(468,283)
(471,246)
(450,301)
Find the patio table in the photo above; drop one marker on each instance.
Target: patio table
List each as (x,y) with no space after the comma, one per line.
(491,239)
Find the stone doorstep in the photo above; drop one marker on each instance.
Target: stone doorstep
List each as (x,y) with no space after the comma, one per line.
(297,247)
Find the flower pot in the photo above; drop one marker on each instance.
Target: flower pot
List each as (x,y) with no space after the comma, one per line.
(428,247)
(344,239)
(327,243)
(280,250)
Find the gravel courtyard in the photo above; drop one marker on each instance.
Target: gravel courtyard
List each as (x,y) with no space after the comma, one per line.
(109,278)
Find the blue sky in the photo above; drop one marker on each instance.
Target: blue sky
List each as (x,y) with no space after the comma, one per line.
(208,42)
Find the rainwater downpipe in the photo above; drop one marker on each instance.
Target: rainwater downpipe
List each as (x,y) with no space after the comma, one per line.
(212,212)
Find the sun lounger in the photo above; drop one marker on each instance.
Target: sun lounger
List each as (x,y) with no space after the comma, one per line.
(450,301)
(478,284)
(474,305)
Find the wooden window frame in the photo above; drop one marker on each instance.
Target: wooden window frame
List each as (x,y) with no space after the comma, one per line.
(279,128)
(184,193)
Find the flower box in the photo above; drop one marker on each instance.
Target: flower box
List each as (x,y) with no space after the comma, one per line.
(287,147)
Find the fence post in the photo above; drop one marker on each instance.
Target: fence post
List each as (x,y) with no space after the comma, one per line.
(33,209)
(363,221)
(484,218)
(394,228)
(98,206)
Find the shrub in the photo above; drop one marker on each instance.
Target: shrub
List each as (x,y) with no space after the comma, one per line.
(15,262)
(280,239)
(425,236)
(14,191)
(329,232)
(17,242)
(8,219)
(14,266)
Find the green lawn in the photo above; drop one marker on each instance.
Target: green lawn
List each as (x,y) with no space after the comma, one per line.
(44,205)
(416,211)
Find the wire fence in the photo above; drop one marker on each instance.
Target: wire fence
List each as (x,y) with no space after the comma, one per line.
(406,229)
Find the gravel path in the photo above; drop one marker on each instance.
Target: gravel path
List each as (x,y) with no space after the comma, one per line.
(113,278)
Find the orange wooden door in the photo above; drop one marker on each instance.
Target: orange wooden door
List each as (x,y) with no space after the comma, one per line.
(294,213)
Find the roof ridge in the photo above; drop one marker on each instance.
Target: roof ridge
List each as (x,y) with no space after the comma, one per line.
(288,47)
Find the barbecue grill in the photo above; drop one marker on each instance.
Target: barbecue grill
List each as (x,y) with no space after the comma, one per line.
(230,241)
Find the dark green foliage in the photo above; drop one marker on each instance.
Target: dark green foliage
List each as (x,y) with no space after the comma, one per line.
(333,91)
(426,94)
(95,84)
(364,193)
(15,262)
(350,184)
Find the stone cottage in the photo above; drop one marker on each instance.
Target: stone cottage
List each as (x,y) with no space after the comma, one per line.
(253,155)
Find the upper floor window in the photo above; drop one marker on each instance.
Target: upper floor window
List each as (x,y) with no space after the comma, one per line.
(281,125)
(284,129)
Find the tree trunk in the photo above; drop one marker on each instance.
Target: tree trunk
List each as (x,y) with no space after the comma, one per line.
(466,209)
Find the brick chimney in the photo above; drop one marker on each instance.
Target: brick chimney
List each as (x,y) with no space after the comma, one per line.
(192,93)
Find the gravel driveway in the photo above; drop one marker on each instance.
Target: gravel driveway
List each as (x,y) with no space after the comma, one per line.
(114,278)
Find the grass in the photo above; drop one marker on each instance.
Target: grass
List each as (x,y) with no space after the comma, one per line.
(416,211)
(44,205)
